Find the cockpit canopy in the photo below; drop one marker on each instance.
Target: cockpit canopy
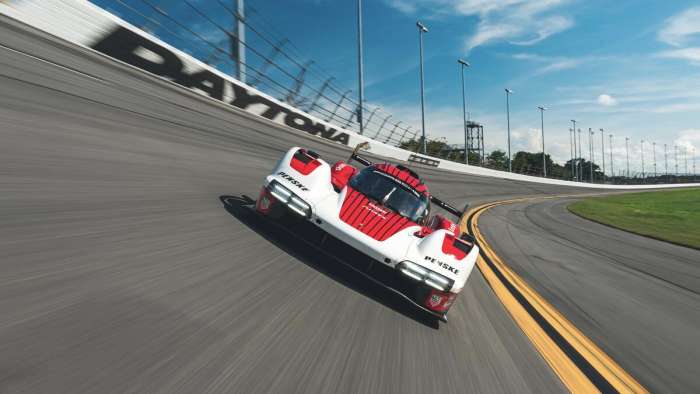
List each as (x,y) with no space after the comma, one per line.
(392,193)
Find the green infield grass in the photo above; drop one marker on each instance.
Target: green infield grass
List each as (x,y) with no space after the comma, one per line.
(669,215)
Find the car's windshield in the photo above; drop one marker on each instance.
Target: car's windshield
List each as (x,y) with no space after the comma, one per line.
(392,194)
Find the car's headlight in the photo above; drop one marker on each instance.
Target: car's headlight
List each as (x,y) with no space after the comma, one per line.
(430,278)
(298,205)
(288,198)
(280,192)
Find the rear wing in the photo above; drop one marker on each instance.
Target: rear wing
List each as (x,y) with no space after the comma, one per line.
(354,156)
(460,216)
(447,207)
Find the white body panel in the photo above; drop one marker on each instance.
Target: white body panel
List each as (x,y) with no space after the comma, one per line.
(317,190)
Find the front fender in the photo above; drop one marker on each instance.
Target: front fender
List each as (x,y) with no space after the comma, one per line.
(447,255)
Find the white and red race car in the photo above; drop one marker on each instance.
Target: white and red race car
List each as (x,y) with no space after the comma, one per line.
(382,211)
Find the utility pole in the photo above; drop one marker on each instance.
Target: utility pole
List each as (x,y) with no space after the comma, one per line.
(462,65)
(602,151)
(627,148)
(360,69)
(544,157)
(508,93)
(612,166)
(422,29)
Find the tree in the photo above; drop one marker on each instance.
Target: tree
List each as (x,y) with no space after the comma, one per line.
(497,160)
(531,163)
(584,166)
(433,147)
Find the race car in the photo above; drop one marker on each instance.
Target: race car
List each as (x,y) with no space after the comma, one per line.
(383,211)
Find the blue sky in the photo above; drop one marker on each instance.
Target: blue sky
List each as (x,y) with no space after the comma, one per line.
(630,67)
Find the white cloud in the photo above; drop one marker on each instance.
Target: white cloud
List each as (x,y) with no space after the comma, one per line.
(547,27)
(678,31)
(522,22)
(679,107)
(550,64)
(559,65)
(689,140)
(607,100)
(691,54)
(680,27)
(529,140)
(405,6)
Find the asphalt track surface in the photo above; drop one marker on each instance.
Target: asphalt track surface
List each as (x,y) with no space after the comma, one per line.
(127,264)
(635,297)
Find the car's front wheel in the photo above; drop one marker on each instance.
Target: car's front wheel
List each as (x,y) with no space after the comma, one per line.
(269,206)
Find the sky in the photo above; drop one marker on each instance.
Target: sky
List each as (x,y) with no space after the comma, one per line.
(629,67)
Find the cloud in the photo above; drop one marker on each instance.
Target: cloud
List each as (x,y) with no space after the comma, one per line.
(691,54)
(674,108)
(689,140)
(549,64)
(607,100)
(521,22)
(678,28)
(678,32)
(405,6)
(558,66)
(529,140)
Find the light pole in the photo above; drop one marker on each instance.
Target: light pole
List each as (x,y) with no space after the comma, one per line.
(602,151)
(668,180)
(694,179)
(422,29)
(675,158)
(642,150)
(590,149)
(462,65)
(508,93)
(627,148)
(573,169)
(666,162)
(612,163)
(360,69)
(240,41)
(579,166)
(571,151)
(544,157)
(685,160)
(653,156)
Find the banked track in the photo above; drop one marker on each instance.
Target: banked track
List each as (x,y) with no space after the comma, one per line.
(121,269)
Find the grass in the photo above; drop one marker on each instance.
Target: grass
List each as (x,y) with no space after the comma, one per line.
(671,215)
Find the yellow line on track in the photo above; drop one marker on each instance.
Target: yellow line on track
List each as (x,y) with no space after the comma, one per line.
(562,364)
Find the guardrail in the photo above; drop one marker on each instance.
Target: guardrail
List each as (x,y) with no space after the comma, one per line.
(87,25)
